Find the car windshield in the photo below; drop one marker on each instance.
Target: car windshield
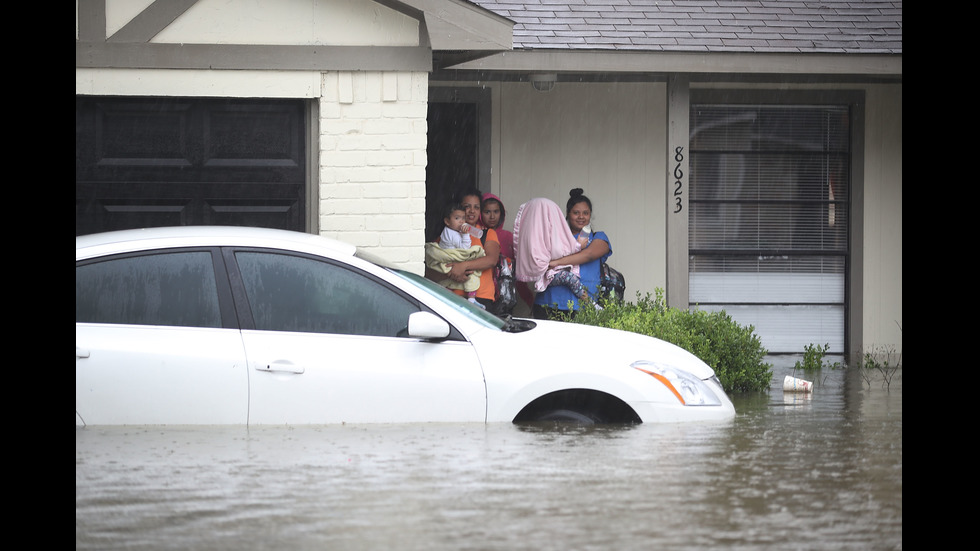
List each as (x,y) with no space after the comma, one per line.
(440,293)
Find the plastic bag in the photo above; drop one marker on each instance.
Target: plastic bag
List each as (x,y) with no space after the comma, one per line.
(506,289)
(612,284)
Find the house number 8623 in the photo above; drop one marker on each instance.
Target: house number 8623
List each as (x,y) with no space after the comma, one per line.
(678,183)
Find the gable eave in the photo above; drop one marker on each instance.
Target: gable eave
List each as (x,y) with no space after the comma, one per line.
(693,63)
(455,25)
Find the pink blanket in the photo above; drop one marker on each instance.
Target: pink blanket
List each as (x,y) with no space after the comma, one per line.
(541,235)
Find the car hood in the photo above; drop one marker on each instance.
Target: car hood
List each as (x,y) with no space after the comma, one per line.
(578,343)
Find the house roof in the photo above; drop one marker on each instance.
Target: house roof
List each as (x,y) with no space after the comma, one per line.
(705,26)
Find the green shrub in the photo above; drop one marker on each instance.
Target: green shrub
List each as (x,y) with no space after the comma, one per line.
(813,358)
(733,351)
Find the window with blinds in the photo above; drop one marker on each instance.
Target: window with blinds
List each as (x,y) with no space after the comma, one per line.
(769,219)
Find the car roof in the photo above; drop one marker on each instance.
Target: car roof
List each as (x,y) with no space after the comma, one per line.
(99,244)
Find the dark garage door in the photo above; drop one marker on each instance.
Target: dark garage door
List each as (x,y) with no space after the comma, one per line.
(142,162)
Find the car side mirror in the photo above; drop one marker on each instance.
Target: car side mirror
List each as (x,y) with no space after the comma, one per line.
(426,325)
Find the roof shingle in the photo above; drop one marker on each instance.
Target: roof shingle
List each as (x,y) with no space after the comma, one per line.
(764,26)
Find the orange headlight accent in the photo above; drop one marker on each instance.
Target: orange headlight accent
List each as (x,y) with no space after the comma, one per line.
(666,383)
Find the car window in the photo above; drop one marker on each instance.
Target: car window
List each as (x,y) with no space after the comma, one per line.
(154,289)
(293,293)
(459,303)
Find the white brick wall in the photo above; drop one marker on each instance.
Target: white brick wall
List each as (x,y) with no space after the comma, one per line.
(372,162)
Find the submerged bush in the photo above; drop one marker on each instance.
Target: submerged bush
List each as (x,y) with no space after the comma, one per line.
(813,358)
(733,351)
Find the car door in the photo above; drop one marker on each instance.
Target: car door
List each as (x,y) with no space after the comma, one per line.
(329,345)
(154,343)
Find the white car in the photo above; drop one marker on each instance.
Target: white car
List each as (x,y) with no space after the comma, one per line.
(234,325)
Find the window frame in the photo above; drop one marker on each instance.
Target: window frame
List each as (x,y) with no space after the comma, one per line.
(226,306)
(243,306)
(854,101)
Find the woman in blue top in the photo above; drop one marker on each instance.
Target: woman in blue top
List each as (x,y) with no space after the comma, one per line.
(596,248)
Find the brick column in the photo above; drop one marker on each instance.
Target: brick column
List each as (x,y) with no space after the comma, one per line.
(372,162)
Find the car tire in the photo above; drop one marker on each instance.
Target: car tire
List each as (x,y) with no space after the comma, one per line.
(567,416)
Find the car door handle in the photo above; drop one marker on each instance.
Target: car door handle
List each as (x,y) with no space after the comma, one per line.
(281,367)
(81,353)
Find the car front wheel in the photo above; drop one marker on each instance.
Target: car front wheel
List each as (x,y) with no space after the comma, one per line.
(578,406)
(567,416)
